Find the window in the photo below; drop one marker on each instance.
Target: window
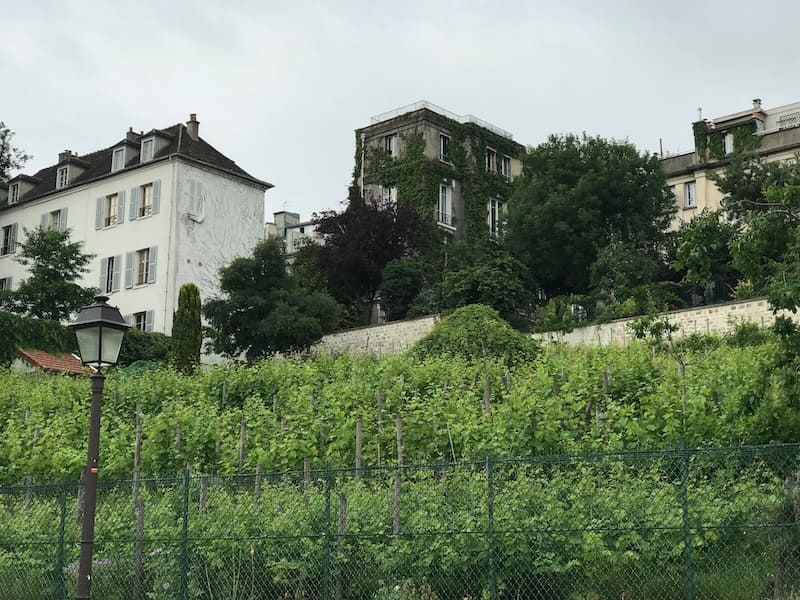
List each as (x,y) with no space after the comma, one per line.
(727,143)
(196,201)
(505,167)
(118,160)
(5,284)
(390,145)
(110,269)
(388,195)
(9,240)
(444,207)
(148,146)
(56,219)
(146,200)
(140,321)
(690,194)
(111,210)
(142,266)
(491,160)
(497,209)
(62,177)
(444,148)
(13,193)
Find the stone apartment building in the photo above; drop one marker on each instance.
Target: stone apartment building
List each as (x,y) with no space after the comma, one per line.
(157,209)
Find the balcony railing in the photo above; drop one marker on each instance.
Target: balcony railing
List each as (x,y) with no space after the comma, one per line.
(445,113)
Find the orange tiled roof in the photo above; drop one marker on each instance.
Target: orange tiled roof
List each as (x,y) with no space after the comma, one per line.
(62,363)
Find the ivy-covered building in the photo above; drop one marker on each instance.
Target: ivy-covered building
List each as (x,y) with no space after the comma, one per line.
(774,134)
(456,169)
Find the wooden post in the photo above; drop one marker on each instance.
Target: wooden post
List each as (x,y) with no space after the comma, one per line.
(606,384)
(283,425)
(556,386)
(178,438)
(398,423)
(203,494)
(29,478)
(275,404)
(242,443)
(259,475)
(359,441)
(397,476)
(506,382)
(223,401)
(306,473)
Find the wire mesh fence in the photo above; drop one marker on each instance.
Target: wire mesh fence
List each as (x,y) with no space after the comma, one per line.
(718,523)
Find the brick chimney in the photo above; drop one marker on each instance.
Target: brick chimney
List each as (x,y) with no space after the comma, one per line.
(64,156)
(131,135)
(193,127)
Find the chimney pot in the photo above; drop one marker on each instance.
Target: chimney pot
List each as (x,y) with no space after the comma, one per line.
(193,127)
(64,156)
(757,104)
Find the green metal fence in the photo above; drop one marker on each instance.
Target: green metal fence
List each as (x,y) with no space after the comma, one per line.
(717,523)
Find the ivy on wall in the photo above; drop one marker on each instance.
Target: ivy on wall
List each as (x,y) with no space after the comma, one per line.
(709,144)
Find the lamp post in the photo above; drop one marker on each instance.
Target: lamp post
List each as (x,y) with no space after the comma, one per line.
(99,329)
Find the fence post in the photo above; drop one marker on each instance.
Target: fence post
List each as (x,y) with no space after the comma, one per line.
(61,592)
(490,528)
(326,556)
(184,590)
(687,537)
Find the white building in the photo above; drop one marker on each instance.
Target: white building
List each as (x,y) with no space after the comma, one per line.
(288,227)
(157,209)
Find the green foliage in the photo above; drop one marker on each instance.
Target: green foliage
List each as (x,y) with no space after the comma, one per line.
(747,333)
(11,157)
(138,345)
(21,332)
(263,310)
(477,332)
(187,337)
(54,264)
(401,283)
(578,195)
(704,249)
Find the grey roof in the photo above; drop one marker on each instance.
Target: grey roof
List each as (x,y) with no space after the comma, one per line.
(97,164)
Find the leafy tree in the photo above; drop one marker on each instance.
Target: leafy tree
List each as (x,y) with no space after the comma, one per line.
(262,310)
(54,264)
(401,283)
(20,332)
(187,335)
(477,332)
(138,345)
(359,243)
(11,157)
(578,195)
(485,273)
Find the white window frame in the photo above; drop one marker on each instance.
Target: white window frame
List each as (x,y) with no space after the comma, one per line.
(7,241)
(108,284)
(444,205)
(495,216)
(690,194)
(140,320)
(5,284)
(145,194)
(62,177)
(110,210)
(118,160)
(727,143)
(141,266)
(491,160)
(390,145)
(444,147)
(148,149)
(505,166)
(13,193)
(53,218)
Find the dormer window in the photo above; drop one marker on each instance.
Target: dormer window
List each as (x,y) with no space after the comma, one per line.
(62,177)
(13,193)
(118,160)
(148,146)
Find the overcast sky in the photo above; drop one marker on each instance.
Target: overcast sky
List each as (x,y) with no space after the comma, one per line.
(280,87)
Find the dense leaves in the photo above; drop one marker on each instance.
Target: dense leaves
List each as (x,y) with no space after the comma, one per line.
(54,265)
(187,336)
(11,157)
(262,310)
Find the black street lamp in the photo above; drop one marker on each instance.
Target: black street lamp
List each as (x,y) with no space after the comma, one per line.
(99,329)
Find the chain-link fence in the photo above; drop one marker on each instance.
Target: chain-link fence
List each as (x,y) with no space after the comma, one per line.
(719,524)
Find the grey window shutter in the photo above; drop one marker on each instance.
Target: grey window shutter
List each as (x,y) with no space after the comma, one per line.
(13,238)
(149,316)
(134,212)
(128,319)
(156,196)
(151,268)
(62,219)
(98,214)
(120,207)
(43,222)
(115,273)
(9,283)
(129,270)
(103,275)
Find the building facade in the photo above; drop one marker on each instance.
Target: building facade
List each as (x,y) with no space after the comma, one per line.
(456,169)
(772,134)
(288,227)
(156,209)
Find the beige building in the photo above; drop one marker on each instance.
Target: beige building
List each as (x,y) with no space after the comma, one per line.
(774,134)
(458,167)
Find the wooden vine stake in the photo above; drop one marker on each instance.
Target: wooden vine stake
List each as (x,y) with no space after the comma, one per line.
(306,473)
(29,478)
(397,476)
(359,442)
(242,444)
(257,487)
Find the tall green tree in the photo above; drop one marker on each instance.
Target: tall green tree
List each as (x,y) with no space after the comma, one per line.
(187,334)
(263,310)
(55,264)
(578,195)
(11,157)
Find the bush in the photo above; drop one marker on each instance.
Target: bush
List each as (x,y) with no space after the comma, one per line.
(140,345)
(42,334)
(477,332)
